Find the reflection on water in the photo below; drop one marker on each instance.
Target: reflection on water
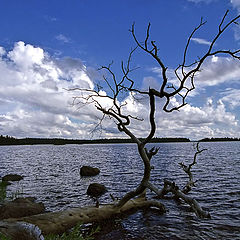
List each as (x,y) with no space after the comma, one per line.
(52,176)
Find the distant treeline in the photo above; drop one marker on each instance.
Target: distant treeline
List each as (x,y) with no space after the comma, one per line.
(6,140)
(226,139)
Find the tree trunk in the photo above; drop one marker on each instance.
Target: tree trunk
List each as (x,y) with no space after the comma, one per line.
(59,222)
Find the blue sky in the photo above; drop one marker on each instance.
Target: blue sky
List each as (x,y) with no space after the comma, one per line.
(47,46)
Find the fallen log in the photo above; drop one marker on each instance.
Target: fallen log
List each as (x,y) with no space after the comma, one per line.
(60,222)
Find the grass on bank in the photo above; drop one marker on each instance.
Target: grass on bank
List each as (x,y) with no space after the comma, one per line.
(3,237)
(3,191)
(75,233)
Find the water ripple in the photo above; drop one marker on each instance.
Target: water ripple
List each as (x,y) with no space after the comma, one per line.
(52,176)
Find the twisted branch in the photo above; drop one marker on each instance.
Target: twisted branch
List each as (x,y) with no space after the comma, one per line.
(188,71)
(185,73)
(187,170)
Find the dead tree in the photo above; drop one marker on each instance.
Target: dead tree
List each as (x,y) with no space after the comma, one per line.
(185,74)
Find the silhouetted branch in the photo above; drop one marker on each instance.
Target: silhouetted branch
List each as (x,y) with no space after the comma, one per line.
(188,71)
(152,152)
(116,87)
(187,170)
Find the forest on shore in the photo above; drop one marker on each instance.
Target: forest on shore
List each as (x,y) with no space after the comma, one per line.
(8,140)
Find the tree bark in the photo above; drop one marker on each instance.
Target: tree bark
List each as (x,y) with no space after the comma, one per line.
(59,222)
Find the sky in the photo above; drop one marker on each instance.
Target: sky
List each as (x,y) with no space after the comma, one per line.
(47,47)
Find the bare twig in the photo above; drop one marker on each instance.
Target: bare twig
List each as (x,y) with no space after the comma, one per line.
(187,170)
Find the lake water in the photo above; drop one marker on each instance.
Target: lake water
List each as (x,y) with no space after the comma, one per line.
(52,176)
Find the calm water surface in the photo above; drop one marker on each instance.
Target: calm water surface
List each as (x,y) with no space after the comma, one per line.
(52,176)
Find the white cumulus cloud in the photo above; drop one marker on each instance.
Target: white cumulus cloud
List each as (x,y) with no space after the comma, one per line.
(218,70)
(34,102)
(33,98)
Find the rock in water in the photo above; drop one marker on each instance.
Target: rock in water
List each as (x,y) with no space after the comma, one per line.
(21,231)
(21,207)
(96,189)
(12,177)
(89,171)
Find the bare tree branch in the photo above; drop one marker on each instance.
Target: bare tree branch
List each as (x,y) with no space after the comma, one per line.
(116,87)
(187,170)
(189,71)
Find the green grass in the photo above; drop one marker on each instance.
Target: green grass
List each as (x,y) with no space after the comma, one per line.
(74,234)
(3,237)
(3,191)
(11,196)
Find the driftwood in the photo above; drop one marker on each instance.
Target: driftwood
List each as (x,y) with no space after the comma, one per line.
(171,187)
(59,222)
(116,87)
